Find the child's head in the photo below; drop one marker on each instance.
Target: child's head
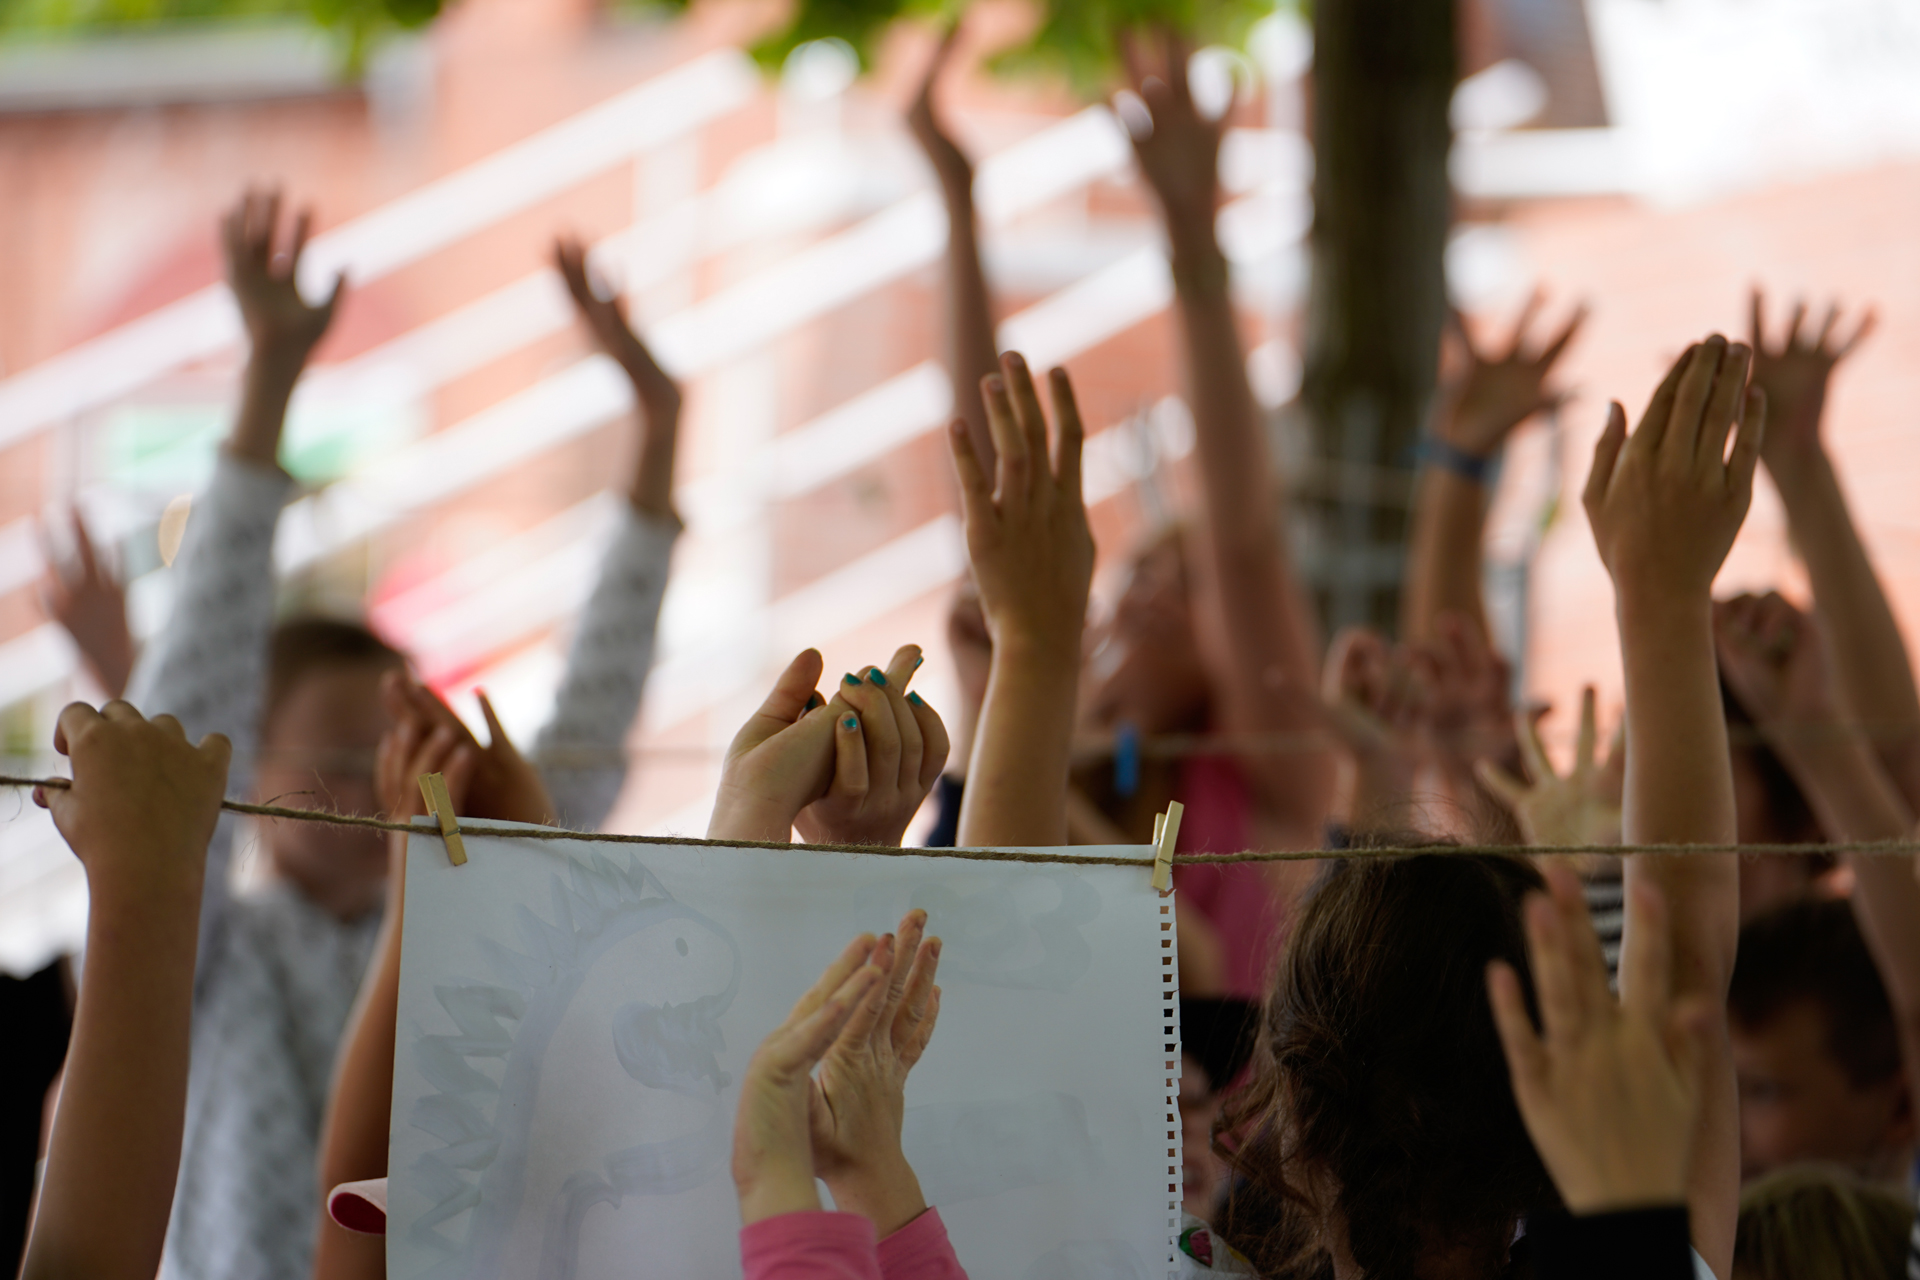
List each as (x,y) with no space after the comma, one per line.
(323,720)
(1815,1047)
(1145,668)
(1815,1220)
(1380,1107)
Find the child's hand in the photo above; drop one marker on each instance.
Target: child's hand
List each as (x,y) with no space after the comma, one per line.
(1666,502)
(781,761)
(1499,391)
(1776,662)
(1376,699)
(889,748)
(500,785)
(1582,807)
(1027,535)
(144,800)
(280,324)
(950,163)
(860,1099)
(772,1143)
(1609,1090)
(419,743)
(1469,716)
(1794,376)
(1179,153)
(606,318)
(92,606)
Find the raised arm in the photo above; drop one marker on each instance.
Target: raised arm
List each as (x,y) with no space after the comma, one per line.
(1032,558)
(139,815)
(1776,660)
(1875,676)
(1252,614)
(972,353)
(582,749)
(1497,391)
(208,664)
(1665,503)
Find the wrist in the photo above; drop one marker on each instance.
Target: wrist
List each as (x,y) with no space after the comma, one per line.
(886,1193)
(772,1193)
(1199,266)
(1035,649)
(1440,453)
(751,818)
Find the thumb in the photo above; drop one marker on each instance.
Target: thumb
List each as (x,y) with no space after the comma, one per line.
(497,739)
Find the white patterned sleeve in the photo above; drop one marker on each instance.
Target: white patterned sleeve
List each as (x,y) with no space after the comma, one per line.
(208,665)
(582,750)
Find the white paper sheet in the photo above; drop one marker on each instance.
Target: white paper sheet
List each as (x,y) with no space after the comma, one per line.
(575,1018)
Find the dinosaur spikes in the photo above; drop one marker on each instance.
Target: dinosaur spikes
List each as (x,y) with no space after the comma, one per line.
(515,969)
(446,1070)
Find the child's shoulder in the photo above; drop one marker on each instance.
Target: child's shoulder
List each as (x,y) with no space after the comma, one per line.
(1202,1252)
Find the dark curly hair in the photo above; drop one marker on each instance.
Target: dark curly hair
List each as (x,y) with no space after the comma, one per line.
(1379,1079)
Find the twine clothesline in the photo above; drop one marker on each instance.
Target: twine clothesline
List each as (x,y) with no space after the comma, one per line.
(469,827)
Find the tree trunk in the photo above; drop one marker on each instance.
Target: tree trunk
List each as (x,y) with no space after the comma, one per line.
(1383,78)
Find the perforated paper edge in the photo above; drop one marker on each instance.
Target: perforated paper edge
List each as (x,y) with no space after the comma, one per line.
(1170,1016)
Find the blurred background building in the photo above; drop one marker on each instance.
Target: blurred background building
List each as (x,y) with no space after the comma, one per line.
(779,240)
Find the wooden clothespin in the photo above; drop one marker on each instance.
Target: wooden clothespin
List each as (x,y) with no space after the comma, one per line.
(1166,832)
(434,787)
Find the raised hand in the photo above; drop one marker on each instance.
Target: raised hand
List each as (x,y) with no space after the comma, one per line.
(772,1131)
(1666,502)
(1502,386)
(1580,807)
(1179,151)
(1469,714)
(1610,1092)
(860,1097)
(90,603)
(500,784)
(419,742)
(889,747)
(605,316)
(950,164)
(1032,558)
(1377,700)
(1794,375)
(780,762)
(1775,660)
(264,276)
(144,800)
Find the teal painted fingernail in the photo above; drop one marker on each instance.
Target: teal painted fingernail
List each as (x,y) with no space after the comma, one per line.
(878,676)
(916,700)
(813,700)
(852,678)
(849,723)
(919,661)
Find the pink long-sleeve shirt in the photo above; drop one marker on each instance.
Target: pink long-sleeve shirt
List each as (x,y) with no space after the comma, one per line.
(841,1246)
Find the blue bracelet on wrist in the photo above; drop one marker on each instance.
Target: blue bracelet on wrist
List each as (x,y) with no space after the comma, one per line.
(1436,452)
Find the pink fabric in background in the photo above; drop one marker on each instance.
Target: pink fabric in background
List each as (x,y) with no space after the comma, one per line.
(1238,899)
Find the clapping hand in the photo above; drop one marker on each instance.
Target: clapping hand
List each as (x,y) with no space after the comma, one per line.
(889,747)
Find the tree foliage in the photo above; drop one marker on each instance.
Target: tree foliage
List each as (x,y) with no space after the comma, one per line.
(356,25)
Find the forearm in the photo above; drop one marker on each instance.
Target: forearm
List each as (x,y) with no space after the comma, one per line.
(356,1128)
(115,1145)
(1855,801)
(887,1194)
(1679,783)
(972,352)
(1443,553)
(651,493)
(266,389)
(1017,781)
(1869,653)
